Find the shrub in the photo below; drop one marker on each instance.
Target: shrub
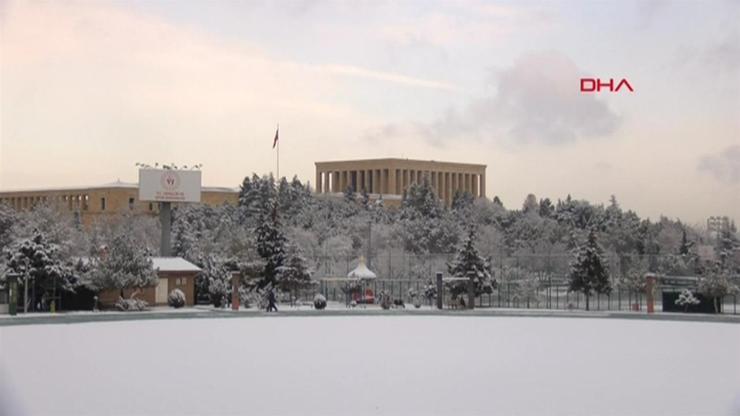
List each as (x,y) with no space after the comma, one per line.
(319,301)
(385,300)
(176,299)
(131,304)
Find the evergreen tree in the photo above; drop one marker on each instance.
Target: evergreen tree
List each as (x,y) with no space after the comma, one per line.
(40,260)
(270,246)
(589,272)
(530,204)
(546,209)
(685,248)
(461,200)
(349,195)
(293,274)
(469,264)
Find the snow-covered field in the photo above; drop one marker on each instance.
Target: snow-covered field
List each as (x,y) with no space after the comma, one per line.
(410,365)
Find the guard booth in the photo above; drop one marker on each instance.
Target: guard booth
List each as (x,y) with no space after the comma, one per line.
(9,295)
(4,299)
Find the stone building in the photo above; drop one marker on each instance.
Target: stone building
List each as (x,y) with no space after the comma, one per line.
(389,178)
(90,203)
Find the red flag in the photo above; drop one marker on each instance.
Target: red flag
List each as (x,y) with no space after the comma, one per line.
(274,142)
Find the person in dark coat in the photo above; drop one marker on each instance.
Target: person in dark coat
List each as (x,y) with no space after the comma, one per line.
(271,306)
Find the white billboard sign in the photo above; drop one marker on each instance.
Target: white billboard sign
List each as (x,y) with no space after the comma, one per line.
(169,185)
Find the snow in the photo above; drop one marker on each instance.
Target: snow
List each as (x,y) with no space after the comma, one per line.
(361,271)
(173,264)
(361,365)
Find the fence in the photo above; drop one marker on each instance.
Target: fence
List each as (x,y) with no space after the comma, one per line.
(397,264)
(553,296)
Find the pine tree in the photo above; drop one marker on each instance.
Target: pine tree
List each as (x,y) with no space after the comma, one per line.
(270,246)
(589,272)
(469,264)
(293,274)
(685,248)
(40,260)
(461,200)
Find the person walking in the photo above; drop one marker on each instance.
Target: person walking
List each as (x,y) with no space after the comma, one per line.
(271,306)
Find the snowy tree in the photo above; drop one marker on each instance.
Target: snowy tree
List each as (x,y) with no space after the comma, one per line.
(589,272)
(715,286)
(462,200)
(530,205)
(350,196)
(258,196)
(122,264)
(7,220)
(687,299)
(271,247)
(40,261)
(293,274)
(215,279)
(424,226)
(469,264)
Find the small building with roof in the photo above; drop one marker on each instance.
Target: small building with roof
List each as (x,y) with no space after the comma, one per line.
(173,273)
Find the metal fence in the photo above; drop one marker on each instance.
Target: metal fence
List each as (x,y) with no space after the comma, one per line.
(395,264)
(505,295)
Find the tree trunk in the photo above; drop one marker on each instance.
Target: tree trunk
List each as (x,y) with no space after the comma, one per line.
(587,304)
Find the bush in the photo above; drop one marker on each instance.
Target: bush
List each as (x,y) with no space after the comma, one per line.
(131,304)
(176,299)
(319,301)
(385,300)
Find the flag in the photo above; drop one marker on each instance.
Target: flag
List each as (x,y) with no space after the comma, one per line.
(274,142)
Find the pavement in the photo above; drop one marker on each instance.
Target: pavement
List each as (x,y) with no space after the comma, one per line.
(286,311)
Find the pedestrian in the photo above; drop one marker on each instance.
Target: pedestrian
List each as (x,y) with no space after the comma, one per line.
(271,306)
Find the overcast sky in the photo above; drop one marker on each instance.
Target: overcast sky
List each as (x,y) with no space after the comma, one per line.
(90,88)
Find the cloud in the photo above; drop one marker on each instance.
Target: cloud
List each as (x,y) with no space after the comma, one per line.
(387,77)
(537,100)
(724,166)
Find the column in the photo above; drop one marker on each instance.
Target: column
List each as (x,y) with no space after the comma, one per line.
(392,177)
(476,193)
(483,184)
(383,181)
(317,185)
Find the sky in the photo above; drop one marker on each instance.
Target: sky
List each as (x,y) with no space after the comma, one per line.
(88,89)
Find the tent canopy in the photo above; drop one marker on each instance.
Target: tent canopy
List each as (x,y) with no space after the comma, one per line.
(361,271)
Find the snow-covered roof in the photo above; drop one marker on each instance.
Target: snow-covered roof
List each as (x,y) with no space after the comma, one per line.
(173,264)
(361,271)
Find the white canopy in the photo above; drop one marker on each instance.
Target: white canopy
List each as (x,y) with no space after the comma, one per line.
(361,271)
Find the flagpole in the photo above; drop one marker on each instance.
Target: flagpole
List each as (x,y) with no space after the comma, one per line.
(278,153)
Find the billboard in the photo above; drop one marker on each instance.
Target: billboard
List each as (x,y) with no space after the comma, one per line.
(169,185)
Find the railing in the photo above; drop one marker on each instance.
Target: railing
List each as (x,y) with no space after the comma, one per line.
(505,295)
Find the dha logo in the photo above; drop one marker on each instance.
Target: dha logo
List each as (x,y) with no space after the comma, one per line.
(596,85)
(170,180)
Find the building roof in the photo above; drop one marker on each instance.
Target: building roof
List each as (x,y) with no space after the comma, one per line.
(173,264)
(396,159)
(117,185)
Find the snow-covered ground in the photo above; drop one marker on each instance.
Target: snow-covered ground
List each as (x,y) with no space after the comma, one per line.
(355,365)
